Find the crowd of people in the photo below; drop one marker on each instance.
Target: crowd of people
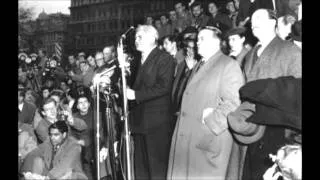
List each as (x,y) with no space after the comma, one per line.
(213,93)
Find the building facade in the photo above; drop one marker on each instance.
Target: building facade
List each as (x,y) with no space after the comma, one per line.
(51,29)
(97,23)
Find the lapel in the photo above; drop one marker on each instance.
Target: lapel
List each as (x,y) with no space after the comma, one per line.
(180,70)
(149,61)
(196,76)
(47,153)
(270,49)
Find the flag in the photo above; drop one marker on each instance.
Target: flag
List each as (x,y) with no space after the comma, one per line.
(58,50)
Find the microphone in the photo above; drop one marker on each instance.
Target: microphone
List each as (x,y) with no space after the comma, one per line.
(124,35)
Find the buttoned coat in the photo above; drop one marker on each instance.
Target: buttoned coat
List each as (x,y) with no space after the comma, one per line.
(152,87)
(67,158)
(279,58)
(202,150)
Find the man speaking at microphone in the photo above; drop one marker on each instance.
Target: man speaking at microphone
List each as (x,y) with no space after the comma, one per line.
(150,120)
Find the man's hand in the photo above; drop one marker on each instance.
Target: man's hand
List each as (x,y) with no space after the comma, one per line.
(34,176)
(206,113)
(103,154)
(131,94)
(81,142)
(271,173)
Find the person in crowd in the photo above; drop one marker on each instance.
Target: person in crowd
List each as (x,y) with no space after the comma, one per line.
(72,66)
(189,32)
(232,12)
(85,138)
(49,112)
(173,22)
(31,96)
(45,92)
(86,75)
(27,141)
(99,57)
(92,62)
(165,25)
(149,20)
(109,55)
(26,110)
(151,118)
(217,18)
(296,33)
(64,86)
(184,70)
(158,26)
(199,18)
(236,40)
(183,16)
(171,44)
(204,151)
(58,157)
(42,56)
(284,26)
(287,164)
(271,57)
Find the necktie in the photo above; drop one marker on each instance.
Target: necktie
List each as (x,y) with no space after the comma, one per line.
(255,56)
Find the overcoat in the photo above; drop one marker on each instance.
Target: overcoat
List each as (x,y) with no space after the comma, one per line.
(202,150)
(279,58)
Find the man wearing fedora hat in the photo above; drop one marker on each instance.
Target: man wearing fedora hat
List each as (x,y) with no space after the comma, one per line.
(271,57)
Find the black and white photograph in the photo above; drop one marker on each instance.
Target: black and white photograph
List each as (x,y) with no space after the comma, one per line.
(159,89)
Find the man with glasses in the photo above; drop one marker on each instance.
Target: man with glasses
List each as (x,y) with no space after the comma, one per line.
(201,146)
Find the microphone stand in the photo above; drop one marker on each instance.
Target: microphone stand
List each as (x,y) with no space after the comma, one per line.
(98,132)
(126,123)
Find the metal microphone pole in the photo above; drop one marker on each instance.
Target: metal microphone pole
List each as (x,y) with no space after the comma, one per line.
(125,118)
(98,133)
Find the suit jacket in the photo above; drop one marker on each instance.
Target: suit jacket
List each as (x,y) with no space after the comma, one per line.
(279,58)
(152,87)
(203,150)
(180,80)
(27,113)
(67,158)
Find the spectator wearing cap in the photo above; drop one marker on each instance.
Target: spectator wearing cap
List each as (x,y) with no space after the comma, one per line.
(199,18)
(236,39)
(271,57)
(86,75)
(190,32)
(183,16)
(217,18)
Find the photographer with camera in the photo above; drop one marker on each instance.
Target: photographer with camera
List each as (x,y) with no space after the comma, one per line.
(53,70)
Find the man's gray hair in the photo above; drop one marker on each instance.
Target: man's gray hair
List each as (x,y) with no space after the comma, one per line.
(148,29)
